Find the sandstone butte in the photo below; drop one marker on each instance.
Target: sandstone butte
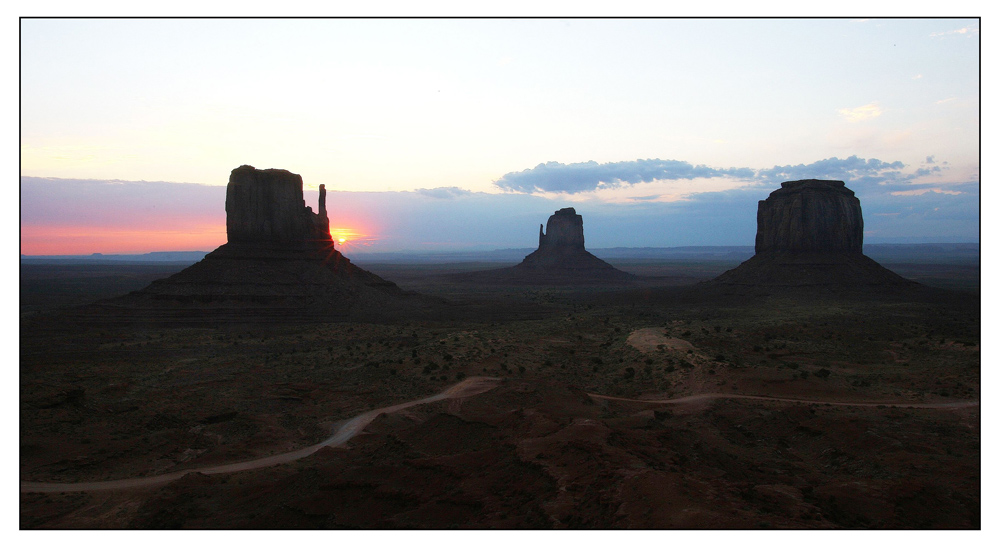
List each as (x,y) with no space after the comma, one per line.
(279,263)
(560,259)
(810,234)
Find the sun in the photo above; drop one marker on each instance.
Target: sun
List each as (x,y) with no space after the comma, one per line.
(343,235)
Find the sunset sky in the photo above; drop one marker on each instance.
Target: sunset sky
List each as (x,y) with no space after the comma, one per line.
(448,134)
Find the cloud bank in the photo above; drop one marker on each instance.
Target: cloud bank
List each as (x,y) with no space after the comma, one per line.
(587,176)
(850,170)
(579,178)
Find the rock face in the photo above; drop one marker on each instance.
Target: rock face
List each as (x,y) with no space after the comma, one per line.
(561,259)
(563,230)
(266,206)
(810,215)
(279,265)
(810,234)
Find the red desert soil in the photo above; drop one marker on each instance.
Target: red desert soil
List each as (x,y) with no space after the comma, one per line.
(541,455)
(525,454)
(790,415)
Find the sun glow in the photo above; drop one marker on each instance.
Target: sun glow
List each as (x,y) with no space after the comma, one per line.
(348,235)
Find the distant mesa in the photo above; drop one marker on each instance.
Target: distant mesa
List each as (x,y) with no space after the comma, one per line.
(810,233)
(279,264)
(561,259)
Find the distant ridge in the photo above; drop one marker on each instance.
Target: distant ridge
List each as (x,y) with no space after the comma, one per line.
(881,252)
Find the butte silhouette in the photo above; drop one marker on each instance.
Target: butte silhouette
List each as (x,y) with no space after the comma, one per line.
(279,264)
(810,234)
(560,259)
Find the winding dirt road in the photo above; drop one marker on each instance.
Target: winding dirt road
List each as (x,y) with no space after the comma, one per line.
(466,388)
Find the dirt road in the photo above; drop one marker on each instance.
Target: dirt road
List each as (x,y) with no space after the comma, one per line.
(466,388)
(709,396)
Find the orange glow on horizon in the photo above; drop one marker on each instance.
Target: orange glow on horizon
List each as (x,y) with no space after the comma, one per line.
(53,239)
(85,240)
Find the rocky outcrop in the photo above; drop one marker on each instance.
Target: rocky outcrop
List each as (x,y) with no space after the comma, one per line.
(810,215)
(810,234)
(279,265)
(266,207)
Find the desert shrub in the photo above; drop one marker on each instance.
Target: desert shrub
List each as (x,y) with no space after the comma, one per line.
(629,373)
(822,373)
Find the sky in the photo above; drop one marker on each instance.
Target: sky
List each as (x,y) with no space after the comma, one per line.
(453,134)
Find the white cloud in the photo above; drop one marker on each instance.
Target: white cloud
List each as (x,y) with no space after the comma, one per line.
(861,113)
(922,191)
(969,31)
